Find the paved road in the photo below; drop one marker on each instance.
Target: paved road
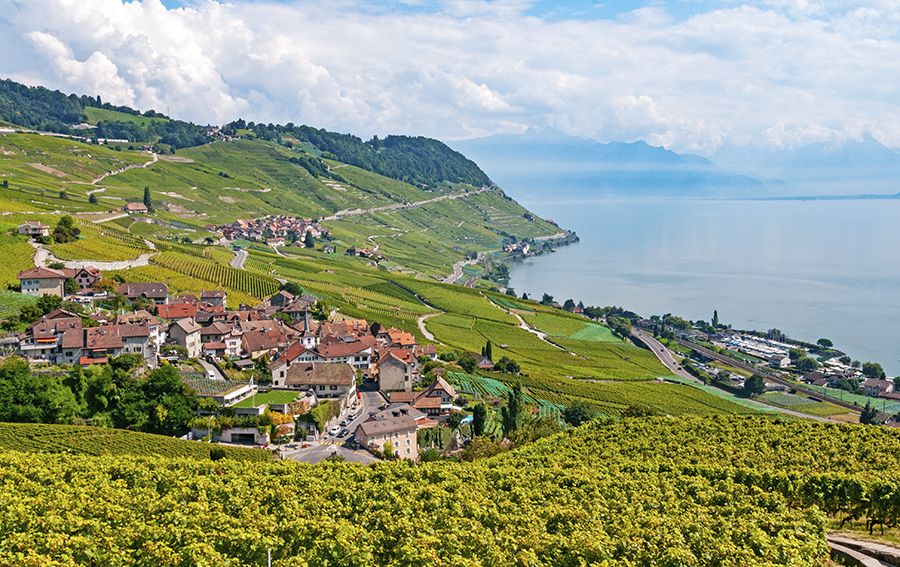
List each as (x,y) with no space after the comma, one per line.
(401,206)
(458,267)
(663,354)
(210,368)
(319,451)
(239,259)
(118,171)
(422,328)
(43,256)
(668,359)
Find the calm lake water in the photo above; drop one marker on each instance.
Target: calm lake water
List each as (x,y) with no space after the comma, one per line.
(809,268)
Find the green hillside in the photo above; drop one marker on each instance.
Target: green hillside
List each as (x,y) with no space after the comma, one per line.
(642,492)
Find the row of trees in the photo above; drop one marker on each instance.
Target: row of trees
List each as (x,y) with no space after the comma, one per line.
(112,395)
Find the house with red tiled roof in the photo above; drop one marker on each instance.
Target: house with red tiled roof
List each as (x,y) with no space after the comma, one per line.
(327,381)
(258,343)
(156,292)
(186,333)
(135,208)
(436,399)
(42,281)
(56,339)
(177,311)
(215,297)
(33,229)
(396,370)
(396,425)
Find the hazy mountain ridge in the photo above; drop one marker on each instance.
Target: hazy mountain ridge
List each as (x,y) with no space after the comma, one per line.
(863,167)
(552,163)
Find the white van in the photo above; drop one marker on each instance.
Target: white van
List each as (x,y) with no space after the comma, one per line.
(335,429)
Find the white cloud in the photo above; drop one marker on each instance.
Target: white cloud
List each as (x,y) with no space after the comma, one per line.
(781,72)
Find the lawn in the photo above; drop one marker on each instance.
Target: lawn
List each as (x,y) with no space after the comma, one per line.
(271,397)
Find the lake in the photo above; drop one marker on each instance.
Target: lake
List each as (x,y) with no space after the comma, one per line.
(813,269)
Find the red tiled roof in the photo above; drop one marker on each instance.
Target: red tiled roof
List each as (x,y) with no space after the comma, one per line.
(40,273)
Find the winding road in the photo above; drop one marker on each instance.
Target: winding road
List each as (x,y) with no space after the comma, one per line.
(42,256)
(401,206)
(126,168)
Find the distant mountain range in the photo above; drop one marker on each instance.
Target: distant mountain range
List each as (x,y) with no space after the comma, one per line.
(549,163)
(534,164)
(864,167)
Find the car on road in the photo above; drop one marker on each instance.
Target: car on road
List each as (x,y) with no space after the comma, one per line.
(343,432)
(335,429)
(345,422)
(351,417)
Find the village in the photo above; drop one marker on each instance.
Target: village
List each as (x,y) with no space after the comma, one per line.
(298,353)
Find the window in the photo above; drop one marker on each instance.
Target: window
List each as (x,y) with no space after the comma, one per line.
(407,441)
(407,450)
(334,387)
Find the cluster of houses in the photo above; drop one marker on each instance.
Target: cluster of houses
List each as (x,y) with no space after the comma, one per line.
(321,360)
(272,228)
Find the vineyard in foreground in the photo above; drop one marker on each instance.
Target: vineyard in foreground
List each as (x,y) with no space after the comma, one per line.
(719,490)
(83,440)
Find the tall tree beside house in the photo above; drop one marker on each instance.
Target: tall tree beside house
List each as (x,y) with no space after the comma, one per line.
(869,415)
(569,305)
(486,351)
(71,286)
(309,241)
(514,411)
(147,201)
(479,419)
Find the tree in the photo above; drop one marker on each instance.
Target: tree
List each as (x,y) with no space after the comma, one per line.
(482,448)
(33,398)
(869,415)
(806,364)
(845,360)
(639,410)
(825,343)
(546,299)
(513,413)
(388,450)
(873,370)
(309,241)
(524,295)
(292,288)
(755,385)
(92,199)
(467,362)
(455,419)
(479,419)
(65,230)
(579,412)
(5,184)
(796,354)
(147,201)
(569,305)
(715,319)
(71,287)
(487,351)
(63,195)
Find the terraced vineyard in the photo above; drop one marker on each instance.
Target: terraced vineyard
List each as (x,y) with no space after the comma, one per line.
(256,285)
(81,440)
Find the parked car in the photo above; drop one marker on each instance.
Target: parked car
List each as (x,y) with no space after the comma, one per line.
(351,417)
(343,432)
(345,422)
(335,429)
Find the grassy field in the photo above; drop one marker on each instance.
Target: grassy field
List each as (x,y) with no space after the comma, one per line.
(95,115)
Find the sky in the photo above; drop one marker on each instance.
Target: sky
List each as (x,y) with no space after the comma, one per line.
(687,75)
